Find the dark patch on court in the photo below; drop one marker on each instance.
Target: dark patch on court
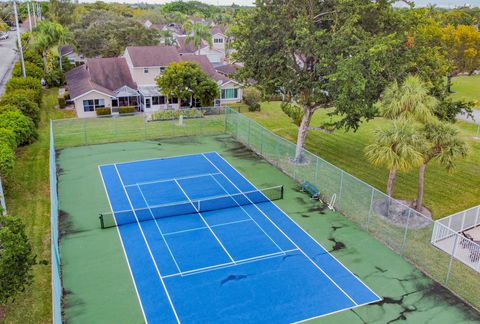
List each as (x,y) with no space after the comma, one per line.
(337,245)
(70,300)
(232,278)
(66,224)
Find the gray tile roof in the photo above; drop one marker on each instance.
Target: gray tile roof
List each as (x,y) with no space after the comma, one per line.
(148,56)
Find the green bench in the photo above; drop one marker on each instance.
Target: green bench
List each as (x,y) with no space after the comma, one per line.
(310,188)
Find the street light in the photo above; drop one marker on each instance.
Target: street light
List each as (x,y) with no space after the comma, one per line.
(19,39)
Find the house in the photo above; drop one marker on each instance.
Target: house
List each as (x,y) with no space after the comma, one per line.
(130,81)
(73,58)
(216,53)
(100,83)
(145,64)
(230,90)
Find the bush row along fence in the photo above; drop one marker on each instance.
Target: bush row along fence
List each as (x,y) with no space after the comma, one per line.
(452,234)
(395,224)
(56,271)
(401,228)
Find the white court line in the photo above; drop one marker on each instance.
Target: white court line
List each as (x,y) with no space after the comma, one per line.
(152,159)
(160,230)
(123,247)
(203,219)
(148,246)
(316,265)
(168,180)
(243,209)
(301,228)
(212,226)
(231,264)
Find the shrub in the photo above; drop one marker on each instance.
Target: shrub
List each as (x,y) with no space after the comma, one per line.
(252,97)
(66,95)
(175,114)
(7,159)
(27,93)
(55,78)
(127,110)
(28,107)
(31,69)
(7,136)
(61,102)
(103,111)
(33,84)
(21,125)
(32,56)
(6,108)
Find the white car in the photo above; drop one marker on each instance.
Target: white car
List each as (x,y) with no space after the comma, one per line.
(3,36)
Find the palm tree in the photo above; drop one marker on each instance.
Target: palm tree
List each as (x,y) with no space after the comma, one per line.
(397,149)
(408,101)
(444,145)
(49,34)
(166,37)
(197,35)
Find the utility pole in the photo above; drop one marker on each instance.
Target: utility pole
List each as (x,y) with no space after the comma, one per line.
(34,8)
(29,18)
(19,39)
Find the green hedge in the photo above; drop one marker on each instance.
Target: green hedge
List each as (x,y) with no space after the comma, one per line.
(175,114)
(127,110)
(32,56)
(61,102)
(103,111)
(7,136)
(6,108)
(27,83)
(28,107)
(31,70)
(21,125)
(7,159)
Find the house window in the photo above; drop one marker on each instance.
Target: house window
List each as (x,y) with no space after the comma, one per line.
(218,40)
(162,69)
(230,93)
(173,100)
(145,70)
(91,105)
(114,102)
(158,100)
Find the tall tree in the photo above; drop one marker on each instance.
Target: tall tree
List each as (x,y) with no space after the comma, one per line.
(395,148)
(442,143)
(186,80)
(198,34)
(321,54)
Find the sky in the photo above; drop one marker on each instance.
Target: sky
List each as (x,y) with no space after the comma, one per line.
(439,3)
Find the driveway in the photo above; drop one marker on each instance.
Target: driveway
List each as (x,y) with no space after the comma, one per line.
(8,53)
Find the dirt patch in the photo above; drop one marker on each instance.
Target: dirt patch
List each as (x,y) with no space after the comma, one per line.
(399,214)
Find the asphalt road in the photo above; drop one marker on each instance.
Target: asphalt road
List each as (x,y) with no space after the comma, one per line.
(8,57)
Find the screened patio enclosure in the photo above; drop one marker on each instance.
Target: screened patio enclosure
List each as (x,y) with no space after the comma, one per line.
(125,96)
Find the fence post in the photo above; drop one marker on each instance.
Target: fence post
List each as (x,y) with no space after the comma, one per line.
(476,216)
(341,187)
(371,208)
(406,232)
(463,220)
(316,171)
(451,260)
(85,131)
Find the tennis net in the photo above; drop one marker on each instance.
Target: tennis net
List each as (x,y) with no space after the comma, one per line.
(188,207)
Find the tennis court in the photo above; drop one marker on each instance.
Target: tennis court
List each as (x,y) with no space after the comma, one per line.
(204,245)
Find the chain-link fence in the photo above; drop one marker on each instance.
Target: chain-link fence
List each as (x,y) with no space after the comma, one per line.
(87,131)
(393,222)
(56,271)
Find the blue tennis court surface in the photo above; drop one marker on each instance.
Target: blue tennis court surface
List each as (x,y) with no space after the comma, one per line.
(205,246)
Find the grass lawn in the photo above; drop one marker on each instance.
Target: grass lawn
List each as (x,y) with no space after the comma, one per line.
(27,195)
(467,88)
(444,193)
